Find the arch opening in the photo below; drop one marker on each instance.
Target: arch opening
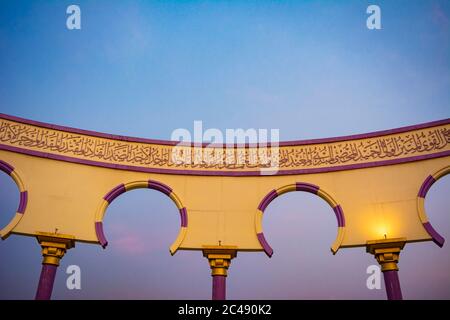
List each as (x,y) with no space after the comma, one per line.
(23,198)
(142,184)
(305,187)
(423,191)
(300,227)
(140,225)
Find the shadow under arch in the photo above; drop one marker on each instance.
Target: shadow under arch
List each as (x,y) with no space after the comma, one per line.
(141,184)
(12,172)
(424,188)
(306,187)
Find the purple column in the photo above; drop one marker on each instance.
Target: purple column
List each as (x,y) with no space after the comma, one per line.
(392,283)
(45,287)
(219,288)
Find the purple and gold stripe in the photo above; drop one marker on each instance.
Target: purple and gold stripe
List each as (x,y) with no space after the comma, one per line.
(267,248)
(299,186)
(6,167)
(429,181)
(437,238)
(161,187)
(143,184)
(23,201)
(114,193)
(424,188)
(183,215)
(307,187)
(339,216)
(100,235)
(267,199)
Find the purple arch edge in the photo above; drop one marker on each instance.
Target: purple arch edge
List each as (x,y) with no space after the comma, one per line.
(6,167)
(426,186)
(183,215)
(299,186)
(437,238)
(159,186)
(267,199)
(114,193)
(339,215)
(100,235)
(23,202)
(117,191)
(307,187)
(267,248)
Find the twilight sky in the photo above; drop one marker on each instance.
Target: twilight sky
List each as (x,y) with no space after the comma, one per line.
(145,68)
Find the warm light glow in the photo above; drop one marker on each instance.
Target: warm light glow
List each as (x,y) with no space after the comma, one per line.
(382,231)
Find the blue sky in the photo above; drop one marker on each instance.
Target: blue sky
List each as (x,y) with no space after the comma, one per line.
(145,68)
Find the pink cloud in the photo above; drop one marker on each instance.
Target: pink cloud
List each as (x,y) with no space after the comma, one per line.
(131,244)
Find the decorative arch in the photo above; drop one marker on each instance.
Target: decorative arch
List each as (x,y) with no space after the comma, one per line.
(146,184)
(12,172)
(424,188)
(306,187)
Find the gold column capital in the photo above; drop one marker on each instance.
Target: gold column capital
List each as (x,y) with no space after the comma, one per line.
(219,258)
(387,252)
(54,246)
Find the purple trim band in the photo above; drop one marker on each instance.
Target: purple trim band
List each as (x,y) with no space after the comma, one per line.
(339,215)
(114,193)
(183,215)
(155,185)
(426,186)
(167,142)
(262,240)
(23,202)
(100,235)
(6,167)
(267,199)
(437,238)
(308,187)
(222,173)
